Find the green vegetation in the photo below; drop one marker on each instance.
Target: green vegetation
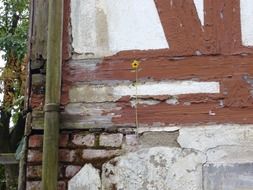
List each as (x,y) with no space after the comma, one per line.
(14,16)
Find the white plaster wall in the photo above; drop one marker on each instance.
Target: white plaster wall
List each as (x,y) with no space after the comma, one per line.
(122,25)
(83,25)
(160,168)
(167,88)
(104,93)
(207,137)
(247,22)
(134,25)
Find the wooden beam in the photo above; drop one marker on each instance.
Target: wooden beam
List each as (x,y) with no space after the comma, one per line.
(8,158)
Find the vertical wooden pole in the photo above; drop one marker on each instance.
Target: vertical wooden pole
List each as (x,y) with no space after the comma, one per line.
(52,101)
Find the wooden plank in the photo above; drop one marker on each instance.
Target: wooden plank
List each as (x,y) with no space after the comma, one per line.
(8,158)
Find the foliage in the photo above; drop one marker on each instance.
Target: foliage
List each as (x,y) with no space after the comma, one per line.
(13,27)
(13,42)
(14,20)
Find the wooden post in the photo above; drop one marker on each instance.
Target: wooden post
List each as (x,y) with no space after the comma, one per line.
(52,101)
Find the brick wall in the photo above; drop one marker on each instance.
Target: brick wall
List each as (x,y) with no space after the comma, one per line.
(77,148)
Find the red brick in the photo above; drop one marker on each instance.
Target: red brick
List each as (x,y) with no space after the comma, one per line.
(34,156)
(35,141)
(61,185)
(72,170)
(36,185)
(33,185)
(64,139)
(66,155)
(84,140)
(34,171)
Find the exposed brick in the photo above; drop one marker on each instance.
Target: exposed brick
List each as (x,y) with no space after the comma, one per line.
(72,170)
(64,139)
(36,185)
(34,156)
(66,155)
(89,154)
(35,141)
(111,140)
(34,171)
(33,185)
(61,185)
(84,140)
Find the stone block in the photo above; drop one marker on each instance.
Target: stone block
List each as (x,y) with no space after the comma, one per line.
(90,154)
(72,170)
(84,140)
(111,140)
(152,139)
(87,178)
(227,176)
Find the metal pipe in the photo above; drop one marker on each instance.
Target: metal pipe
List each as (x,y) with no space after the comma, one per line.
(52,97)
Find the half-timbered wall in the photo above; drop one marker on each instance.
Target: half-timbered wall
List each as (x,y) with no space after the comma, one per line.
(182,120)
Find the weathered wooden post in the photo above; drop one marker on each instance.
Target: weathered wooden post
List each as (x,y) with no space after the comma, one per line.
(52,101)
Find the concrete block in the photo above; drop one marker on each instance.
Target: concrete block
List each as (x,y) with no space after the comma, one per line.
(152,139)
(226,176)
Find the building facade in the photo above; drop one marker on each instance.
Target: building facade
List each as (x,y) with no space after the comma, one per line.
(156,94)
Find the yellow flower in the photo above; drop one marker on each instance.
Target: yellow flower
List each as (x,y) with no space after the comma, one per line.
(135,64)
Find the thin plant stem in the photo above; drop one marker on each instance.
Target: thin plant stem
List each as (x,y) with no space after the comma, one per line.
(136,99)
